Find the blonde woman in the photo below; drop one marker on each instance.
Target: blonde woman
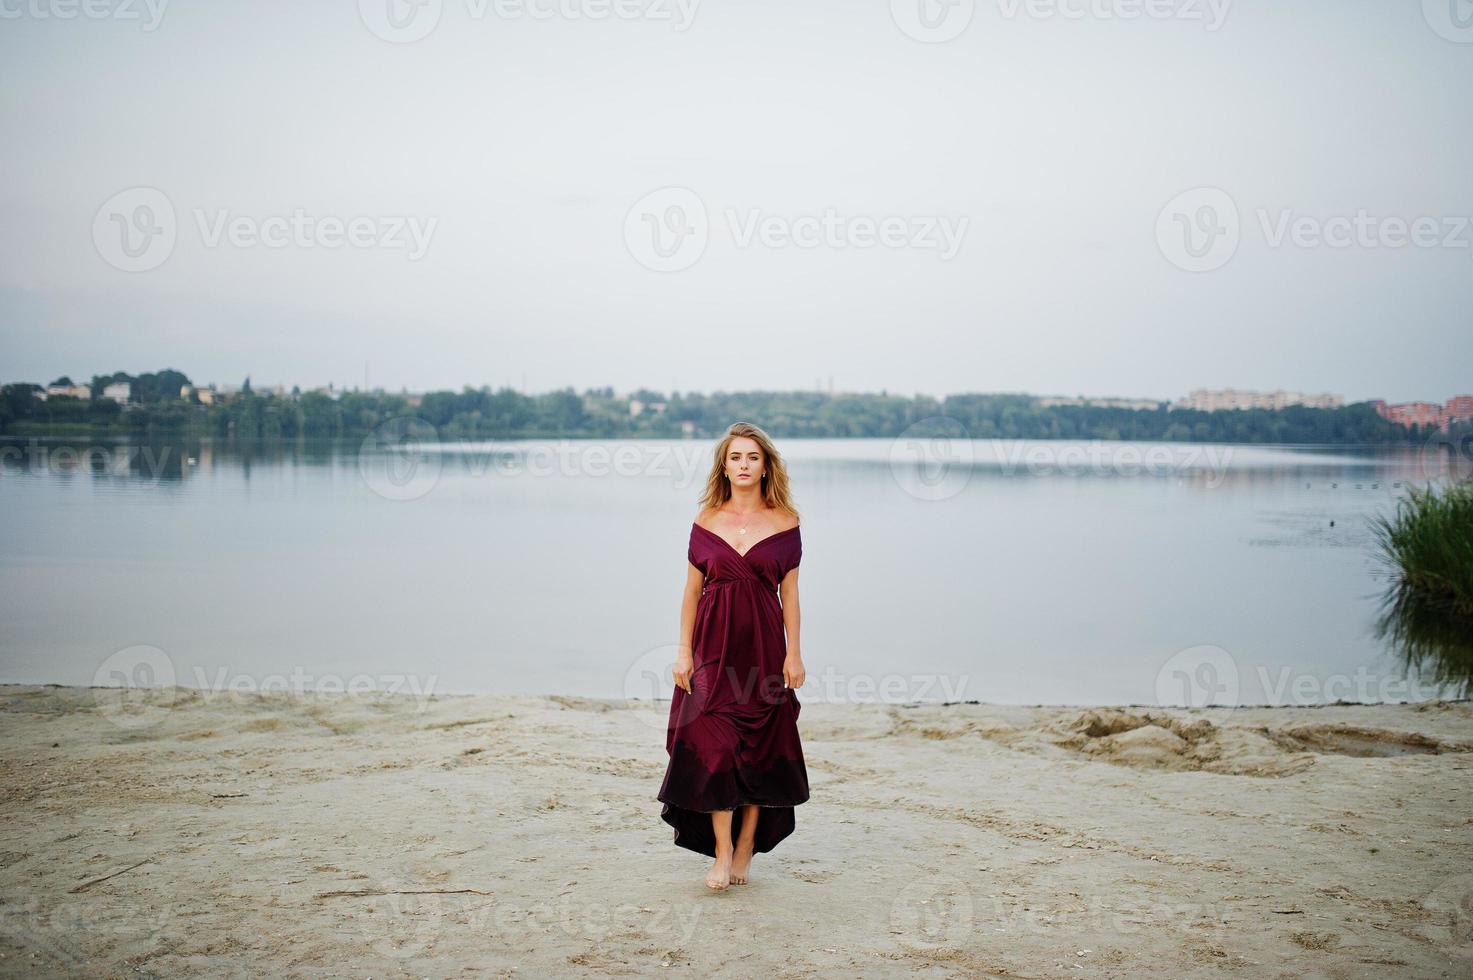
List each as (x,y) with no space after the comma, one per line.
(736,764)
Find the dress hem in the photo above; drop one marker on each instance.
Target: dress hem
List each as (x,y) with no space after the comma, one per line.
(719,809)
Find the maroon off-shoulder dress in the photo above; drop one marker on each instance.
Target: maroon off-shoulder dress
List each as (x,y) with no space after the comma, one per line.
(733,739)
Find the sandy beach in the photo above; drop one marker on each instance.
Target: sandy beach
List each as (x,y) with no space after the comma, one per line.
(178,833)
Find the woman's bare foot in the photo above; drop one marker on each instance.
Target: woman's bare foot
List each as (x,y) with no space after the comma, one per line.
(720,874)
(741,860)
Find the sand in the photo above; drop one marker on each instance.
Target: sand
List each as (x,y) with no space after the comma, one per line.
(221,835)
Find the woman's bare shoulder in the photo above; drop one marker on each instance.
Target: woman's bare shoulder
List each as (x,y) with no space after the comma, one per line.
(704,515)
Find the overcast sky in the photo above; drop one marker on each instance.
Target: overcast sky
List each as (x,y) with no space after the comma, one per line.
(582,187)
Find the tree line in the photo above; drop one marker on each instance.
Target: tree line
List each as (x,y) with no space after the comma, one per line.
(157,407)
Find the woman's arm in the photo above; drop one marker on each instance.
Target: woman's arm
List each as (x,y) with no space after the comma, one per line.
(793,672)
(695,580)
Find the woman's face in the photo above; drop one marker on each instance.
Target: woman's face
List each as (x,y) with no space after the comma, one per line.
(744,462)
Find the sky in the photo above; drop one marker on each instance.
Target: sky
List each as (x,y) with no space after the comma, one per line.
(1089,197)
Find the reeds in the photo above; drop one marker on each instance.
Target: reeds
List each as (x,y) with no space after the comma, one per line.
(1427,611)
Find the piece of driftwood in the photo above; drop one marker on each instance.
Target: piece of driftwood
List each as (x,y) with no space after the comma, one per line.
(88,884)
(369,892)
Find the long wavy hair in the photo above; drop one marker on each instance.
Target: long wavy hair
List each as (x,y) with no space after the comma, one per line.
(775,492)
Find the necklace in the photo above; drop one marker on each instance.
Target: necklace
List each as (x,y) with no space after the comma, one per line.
(743,528)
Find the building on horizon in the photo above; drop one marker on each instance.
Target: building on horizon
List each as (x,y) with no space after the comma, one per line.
(637,407)
(1228,399)
(118,391)
(1456,411)
(67,391)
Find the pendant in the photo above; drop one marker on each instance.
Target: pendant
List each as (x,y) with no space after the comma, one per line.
(741,530)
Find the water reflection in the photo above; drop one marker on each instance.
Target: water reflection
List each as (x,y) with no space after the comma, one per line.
(1016,572)
(1427,611)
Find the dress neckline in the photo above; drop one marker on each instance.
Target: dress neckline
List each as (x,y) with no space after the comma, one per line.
(743,554)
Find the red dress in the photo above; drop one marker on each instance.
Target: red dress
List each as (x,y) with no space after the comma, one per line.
(734,739)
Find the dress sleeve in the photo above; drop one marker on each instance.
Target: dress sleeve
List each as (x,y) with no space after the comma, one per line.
(795,553)
(690,553)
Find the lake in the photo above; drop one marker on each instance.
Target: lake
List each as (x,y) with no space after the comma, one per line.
(994,570)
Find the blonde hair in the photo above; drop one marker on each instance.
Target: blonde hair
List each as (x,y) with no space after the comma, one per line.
(774,481)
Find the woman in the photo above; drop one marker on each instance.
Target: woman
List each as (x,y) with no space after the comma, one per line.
(736,765)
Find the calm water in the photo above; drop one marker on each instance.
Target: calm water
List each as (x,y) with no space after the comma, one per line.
(1003,571)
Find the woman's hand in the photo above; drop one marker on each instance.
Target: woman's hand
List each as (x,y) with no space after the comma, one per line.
(793,672)
(684,667)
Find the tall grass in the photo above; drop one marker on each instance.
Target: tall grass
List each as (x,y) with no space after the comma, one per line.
(1427,611)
